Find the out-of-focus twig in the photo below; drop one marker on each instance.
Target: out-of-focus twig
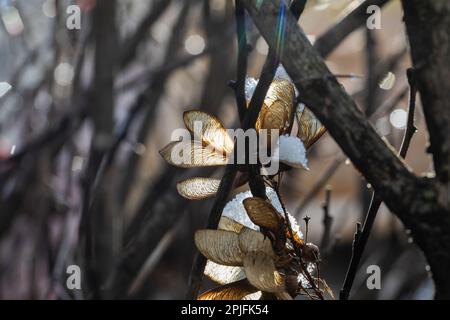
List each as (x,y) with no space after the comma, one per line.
(324,178)
(131,44)
(239,87)
(327,42)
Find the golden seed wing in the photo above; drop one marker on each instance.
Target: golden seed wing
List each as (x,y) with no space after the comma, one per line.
(262,213)
(191,154)
(278,106)
(233,291)
(309,127)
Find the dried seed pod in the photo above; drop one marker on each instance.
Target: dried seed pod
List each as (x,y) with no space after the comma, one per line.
(232,291)
(309,127)
(191,154)
(219,246)
(310,252)
(198,188)
(209,129)
(261,272)
(223,274)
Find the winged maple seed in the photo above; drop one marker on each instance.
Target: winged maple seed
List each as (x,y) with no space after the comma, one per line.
(214,146)
(247,262)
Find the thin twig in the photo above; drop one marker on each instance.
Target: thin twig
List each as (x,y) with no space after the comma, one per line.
(131,44)
(360,243)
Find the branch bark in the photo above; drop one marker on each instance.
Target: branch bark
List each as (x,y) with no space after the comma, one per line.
(427,25)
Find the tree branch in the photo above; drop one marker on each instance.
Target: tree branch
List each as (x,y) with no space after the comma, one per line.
(427,25)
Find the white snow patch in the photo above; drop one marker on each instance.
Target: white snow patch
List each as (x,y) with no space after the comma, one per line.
(250,86)
(235,210)
(291,151)
(251,83)
(303,280)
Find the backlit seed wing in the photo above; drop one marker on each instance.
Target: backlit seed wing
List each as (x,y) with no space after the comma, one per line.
(254,241)
(233,291)
(261,273)
(198,188)
(219,246)
(309,127)
(262,213)
(229,224)
(278,106)
(209,129)
(223,274)
(191,154)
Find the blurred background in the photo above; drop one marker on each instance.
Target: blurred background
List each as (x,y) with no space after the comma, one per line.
(84,111)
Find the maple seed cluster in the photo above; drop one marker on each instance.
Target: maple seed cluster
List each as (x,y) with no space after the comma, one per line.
(266,258)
